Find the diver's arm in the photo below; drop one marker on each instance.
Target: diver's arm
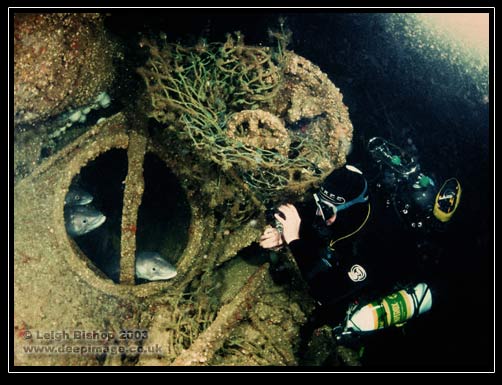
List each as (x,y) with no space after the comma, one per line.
(271,238)
(290,220)
(306,253)
(305,249)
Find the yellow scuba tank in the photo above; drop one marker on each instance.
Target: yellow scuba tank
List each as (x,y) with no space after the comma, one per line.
(447,200)
(393,309)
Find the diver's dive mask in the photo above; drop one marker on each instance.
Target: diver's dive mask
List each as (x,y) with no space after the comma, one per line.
(328,207)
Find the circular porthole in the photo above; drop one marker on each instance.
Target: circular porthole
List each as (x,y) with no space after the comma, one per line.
(149,215)
(93,216)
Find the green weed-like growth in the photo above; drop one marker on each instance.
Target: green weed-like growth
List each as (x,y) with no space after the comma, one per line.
(215,97)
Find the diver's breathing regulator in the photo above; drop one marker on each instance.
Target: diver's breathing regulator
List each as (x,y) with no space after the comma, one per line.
(393,310)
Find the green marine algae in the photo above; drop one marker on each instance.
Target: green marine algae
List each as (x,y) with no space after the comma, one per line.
(216,98)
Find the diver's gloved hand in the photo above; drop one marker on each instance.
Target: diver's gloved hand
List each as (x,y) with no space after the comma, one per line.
(271,238)
(290,219)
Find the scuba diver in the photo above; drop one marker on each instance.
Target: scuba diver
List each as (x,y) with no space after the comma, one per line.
(347,252)
(323,245)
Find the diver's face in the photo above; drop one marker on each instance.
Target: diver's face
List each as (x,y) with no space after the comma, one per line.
(325,210)
(328,221)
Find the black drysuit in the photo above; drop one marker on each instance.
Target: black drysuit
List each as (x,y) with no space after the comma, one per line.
(363,262)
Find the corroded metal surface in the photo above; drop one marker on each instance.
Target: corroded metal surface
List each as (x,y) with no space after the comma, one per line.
(56,286)
(61,61)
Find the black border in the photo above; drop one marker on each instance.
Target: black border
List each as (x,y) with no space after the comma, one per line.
(257,6)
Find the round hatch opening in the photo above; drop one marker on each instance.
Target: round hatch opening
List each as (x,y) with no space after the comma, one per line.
(94,209)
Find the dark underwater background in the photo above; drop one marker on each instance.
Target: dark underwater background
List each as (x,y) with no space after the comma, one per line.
(430,98)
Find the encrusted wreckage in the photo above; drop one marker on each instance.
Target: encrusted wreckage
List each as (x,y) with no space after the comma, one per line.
(242,127)
(267,116)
